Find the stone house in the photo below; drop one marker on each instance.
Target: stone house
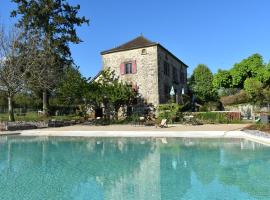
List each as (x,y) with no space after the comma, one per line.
(148,67)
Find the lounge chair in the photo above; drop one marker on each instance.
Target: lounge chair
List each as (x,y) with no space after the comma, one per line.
(258,120)
(163,123)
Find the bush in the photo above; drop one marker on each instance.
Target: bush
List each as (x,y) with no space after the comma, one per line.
(222,92)
(253,89)
(211,106)
(238,98)
(171,112)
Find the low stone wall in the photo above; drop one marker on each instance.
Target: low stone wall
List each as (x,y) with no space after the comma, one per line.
(248,111)
(56,123)
(13,126)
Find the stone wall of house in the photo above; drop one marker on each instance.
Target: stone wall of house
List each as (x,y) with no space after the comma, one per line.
(167,81)
(146,76)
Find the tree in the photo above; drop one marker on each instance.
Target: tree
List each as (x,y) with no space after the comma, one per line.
(54,21)
(263,75)
(12,70)
(111,92)
(254,89)
(222,79)
(45,66)
(73,89)
(247,68)
(201,83)
(266,95)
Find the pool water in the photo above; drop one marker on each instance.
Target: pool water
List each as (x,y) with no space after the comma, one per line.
(133,169)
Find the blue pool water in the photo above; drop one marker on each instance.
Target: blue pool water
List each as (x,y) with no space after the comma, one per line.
(133,169)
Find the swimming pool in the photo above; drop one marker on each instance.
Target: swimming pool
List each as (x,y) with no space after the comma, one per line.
(133,168)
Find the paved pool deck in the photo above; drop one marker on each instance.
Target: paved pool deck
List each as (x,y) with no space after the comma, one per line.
(177,131)
(176,127)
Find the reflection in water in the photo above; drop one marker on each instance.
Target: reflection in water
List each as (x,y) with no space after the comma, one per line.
(129,169)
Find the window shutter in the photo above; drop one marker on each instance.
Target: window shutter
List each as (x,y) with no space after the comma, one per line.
(135,87)
(122,68)
(134,67)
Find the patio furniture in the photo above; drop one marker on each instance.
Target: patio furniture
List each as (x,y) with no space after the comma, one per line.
(163,123)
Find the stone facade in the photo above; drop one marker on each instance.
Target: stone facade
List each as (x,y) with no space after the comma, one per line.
(146,74)
(157,70)
(176,76)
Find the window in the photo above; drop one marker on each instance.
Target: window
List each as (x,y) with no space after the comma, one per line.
(144,52)
(166,68)
(128,68)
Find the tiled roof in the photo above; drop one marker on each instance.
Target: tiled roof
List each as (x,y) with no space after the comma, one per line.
(138,42)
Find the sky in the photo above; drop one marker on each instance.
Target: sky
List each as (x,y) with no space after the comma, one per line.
(217,33)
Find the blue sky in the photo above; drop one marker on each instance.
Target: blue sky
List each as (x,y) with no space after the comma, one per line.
(214,32)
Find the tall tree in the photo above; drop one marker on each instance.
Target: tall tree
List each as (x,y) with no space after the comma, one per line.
(201,83)
(46,67)
(222,79)
(55,21)
(73,89)
(247,68)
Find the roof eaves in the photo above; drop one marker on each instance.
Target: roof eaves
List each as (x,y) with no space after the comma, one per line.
(172,54)
(127,49)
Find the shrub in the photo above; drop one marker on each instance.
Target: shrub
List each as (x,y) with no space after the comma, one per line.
(171,112)
(222,92)
(253,89)
(211,106)
(238,98)
(218,117)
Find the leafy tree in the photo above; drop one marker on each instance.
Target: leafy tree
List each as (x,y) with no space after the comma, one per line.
(45,65)
(253,89)
(73,88)
(201,83)
(247,68)
(263,75)
(110,91)
(54,21)
(266,94)
(222,79)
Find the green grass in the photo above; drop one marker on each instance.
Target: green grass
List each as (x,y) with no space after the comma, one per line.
(33,116)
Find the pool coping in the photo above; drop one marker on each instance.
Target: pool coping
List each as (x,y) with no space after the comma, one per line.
(155,134)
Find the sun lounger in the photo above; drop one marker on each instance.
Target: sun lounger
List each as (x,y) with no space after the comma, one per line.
(163,123)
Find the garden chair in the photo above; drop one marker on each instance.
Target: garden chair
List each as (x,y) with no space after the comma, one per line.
(163,123)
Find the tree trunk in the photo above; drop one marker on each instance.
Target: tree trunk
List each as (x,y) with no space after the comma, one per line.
(116,112)
(45,102)
(10,109)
